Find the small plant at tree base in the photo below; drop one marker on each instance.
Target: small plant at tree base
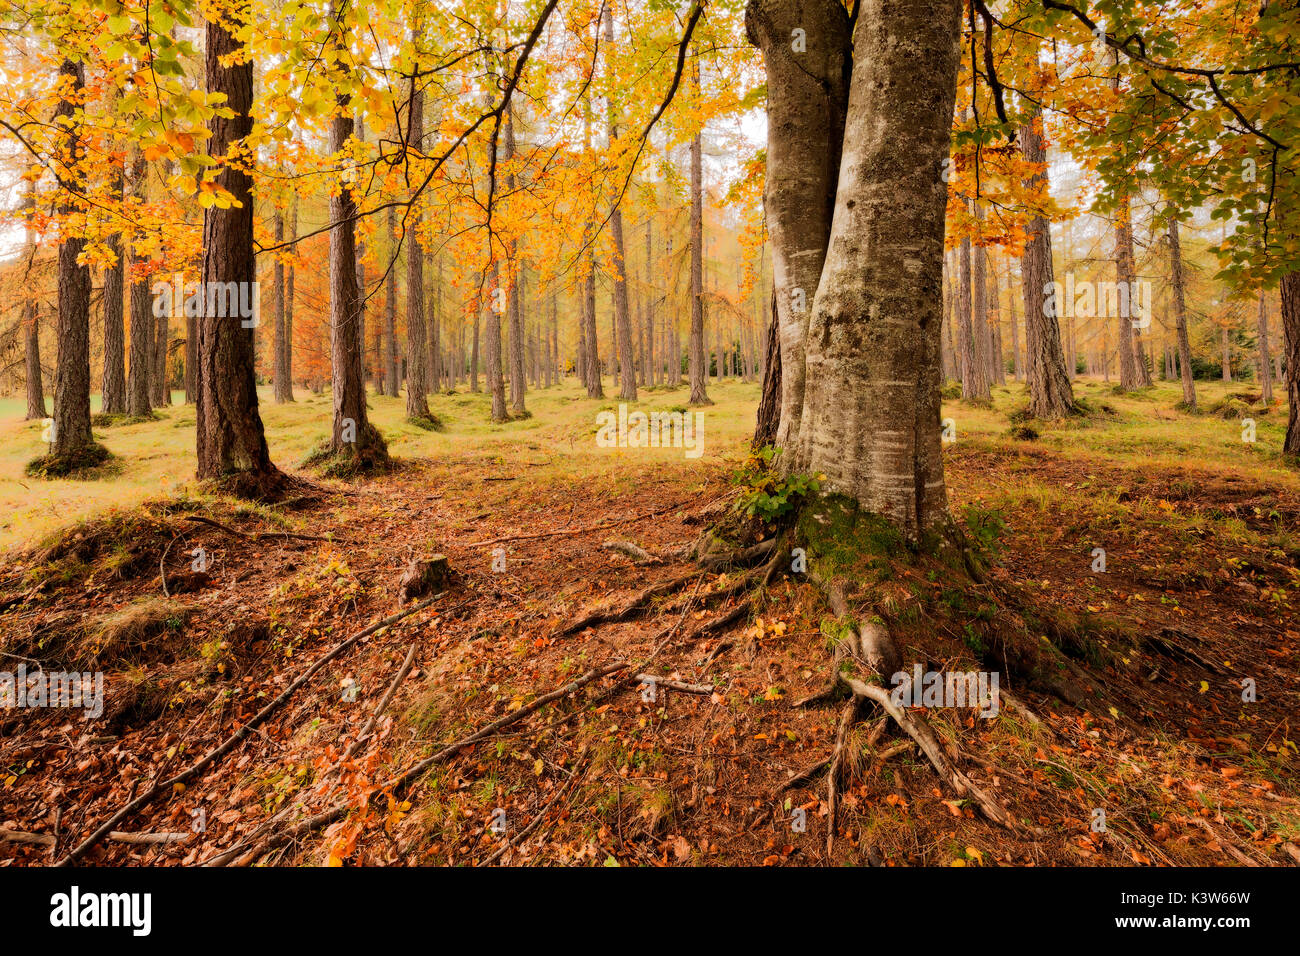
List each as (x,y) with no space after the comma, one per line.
(767,496)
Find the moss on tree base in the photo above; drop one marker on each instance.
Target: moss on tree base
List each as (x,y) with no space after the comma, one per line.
(74,464)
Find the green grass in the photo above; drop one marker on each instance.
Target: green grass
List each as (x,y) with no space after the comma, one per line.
(157,459)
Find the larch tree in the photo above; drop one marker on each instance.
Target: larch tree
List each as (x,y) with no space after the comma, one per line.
(1050,394)
(231,443)
(73,446)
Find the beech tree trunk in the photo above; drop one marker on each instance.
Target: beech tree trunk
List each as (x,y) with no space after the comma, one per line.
(871,412)
(808,93)
(1180,315)
(231,444)
(1046,374)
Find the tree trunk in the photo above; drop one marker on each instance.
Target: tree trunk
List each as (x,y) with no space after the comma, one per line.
(1291,339)
(698,369)
(1226,358)
(417,407)
(769,402)
(1129,376)
(114,384)
(73,445)
(495,380)
(1050,395)
(966,328)
(1180,315)
(288,297)
(1265,355)
(231,444)
(871,402)
(279,374)
(353,438)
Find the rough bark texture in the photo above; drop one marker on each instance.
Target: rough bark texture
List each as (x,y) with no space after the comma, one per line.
(806,105)
(699,371)
(622,315)
(515,291)
(965,328)
(72,438)
(1291,336)
(281,388)
(114,382)
(32,341)
(353,438)
(1180,315)
(495,380)
(1050,395)
(1265,355)
(417,407)
(231,444)
(769,402)
(871,411)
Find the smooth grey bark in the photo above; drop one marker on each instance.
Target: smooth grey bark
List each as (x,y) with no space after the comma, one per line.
(871,412)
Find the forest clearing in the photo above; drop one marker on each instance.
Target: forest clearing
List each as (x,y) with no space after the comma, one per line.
(1201,553)
(585,434)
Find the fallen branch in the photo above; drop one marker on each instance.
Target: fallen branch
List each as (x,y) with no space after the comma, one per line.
(116,836)
(628,549)
(383,704)
(234,739)
(703,690)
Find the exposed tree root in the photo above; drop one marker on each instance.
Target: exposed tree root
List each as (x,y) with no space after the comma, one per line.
(631,608)
(920,730)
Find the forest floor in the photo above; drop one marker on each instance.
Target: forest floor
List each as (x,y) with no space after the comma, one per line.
(1201,590)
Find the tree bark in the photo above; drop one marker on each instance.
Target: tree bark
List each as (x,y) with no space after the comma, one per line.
(871,413)
(1265,355)
(1129,376)
(113,392)
(495,380)
(698,369)
(1050,394)
(417,406)
(1290,295)
(231,444)
(769,402)
(73,445)
(279,374)
(1180,315)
